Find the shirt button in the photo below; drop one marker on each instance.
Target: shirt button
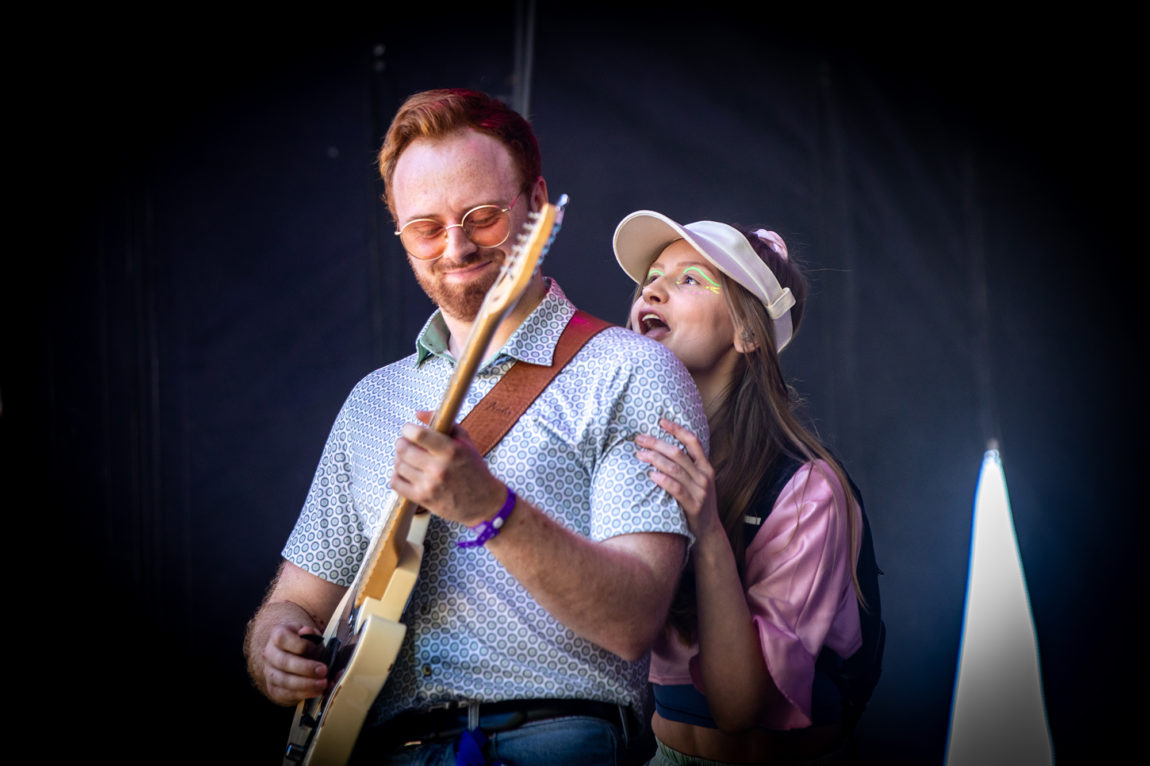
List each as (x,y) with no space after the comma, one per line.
(426,671)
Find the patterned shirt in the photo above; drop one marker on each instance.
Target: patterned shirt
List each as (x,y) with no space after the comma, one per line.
(474,633)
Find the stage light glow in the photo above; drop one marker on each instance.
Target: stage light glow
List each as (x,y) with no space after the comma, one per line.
(997,713)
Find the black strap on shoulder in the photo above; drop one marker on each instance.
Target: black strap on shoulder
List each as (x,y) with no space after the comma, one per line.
(768,495)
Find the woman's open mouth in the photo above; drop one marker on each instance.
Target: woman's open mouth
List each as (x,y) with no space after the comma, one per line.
(652,325)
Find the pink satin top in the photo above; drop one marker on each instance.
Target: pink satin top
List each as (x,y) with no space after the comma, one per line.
(798,584)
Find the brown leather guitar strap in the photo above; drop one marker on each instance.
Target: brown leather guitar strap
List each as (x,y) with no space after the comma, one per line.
(493,417)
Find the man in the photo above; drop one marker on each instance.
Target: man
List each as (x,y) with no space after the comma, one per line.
(569,594)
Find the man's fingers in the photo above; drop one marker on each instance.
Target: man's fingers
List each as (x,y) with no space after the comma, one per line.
(291,672)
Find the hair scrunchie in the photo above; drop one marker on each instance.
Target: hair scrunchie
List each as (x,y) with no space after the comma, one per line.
(773,241)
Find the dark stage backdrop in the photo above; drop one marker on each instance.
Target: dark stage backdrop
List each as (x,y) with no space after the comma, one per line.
(219,272)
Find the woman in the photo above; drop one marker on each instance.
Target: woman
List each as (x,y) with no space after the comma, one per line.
(772,579)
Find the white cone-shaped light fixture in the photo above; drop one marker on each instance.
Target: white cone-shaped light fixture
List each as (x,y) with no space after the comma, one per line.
(998,714)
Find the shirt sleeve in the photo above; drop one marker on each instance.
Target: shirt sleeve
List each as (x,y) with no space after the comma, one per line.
(799,589)
(329,538)
(648,382)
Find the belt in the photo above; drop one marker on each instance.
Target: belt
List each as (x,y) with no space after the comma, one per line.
(450,719)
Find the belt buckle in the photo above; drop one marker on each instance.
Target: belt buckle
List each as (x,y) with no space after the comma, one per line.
(447,706)
(490,722)
(493,722)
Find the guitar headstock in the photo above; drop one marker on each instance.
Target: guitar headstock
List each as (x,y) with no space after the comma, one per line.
(531,245)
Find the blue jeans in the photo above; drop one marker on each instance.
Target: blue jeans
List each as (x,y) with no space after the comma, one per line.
(566,741)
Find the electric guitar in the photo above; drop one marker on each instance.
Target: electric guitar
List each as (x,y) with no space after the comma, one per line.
(364,634)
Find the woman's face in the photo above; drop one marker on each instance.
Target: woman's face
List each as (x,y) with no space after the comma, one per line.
(682,306)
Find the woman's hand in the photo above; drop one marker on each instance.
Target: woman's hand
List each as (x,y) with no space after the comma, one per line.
(730,656)
(688,477)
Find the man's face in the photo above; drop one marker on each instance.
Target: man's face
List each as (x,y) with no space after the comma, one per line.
(442,179)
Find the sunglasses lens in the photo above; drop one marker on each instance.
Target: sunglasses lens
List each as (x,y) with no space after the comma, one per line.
(487,225)
(423,239)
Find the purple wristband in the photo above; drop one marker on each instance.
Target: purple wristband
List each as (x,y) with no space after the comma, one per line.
(490,528)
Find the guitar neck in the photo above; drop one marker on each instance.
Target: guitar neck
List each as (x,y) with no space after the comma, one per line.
(382,559)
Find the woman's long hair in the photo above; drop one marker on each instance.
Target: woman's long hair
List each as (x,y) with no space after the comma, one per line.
(756,425)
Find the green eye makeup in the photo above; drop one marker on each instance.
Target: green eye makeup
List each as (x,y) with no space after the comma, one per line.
(707,283)
(692,276)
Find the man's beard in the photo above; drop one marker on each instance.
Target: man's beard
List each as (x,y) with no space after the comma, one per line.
(460,301)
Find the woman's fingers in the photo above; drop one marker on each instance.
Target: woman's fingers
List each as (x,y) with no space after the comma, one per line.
(687,438)
(674,473)
(667,459)
(675,464)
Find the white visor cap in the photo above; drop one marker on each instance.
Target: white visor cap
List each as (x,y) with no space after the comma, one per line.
(642,235)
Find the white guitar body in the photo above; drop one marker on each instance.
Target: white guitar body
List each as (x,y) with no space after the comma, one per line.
(379,637)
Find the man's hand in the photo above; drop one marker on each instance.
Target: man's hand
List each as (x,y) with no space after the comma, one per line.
(282,660)
(445,474)
(290,670)
(614,593)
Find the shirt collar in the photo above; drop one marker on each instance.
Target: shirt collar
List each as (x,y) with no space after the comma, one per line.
(533,341)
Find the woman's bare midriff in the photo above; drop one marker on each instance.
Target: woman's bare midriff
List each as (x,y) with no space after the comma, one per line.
(752,746)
